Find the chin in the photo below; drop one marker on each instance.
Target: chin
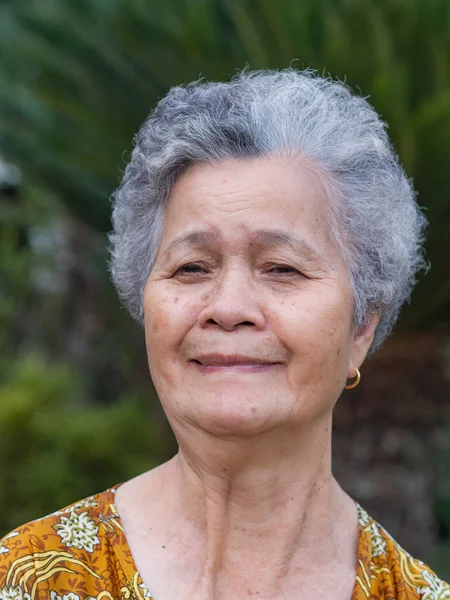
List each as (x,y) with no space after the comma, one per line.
(230,426)
(233,414)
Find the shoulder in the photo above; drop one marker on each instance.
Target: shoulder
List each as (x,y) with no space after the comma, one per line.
(63,556)
(391,570)
(61,528)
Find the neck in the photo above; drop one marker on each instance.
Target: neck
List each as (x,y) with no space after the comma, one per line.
(242,497)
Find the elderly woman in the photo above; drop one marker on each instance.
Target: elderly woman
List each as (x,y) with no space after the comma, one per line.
(266,237)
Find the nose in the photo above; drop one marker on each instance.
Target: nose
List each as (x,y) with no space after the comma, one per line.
(233,304)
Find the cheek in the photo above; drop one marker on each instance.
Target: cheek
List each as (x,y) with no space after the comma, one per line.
(162,332)
(319,347)
(317,332)
(168,318)
(156,320)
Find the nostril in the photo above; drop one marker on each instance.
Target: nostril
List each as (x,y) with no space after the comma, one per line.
(229,324)
(213,322)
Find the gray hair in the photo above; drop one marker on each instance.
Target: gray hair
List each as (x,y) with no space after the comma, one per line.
(375,219)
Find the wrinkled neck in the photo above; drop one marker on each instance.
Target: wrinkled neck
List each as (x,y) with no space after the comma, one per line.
(260,503)
(257,477)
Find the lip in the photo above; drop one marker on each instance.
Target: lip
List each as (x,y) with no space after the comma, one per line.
(232,362)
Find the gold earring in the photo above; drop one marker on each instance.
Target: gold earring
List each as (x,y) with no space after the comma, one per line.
(354,383)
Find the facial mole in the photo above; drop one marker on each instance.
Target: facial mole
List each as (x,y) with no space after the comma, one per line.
(176,300)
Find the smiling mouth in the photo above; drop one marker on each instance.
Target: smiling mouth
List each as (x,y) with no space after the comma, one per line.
(235,363)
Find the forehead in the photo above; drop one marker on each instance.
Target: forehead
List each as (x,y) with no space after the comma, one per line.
(235,198)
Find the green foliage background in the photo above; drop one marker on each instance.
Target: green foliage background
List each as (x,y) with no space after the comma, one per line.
(54,443)
(76,81)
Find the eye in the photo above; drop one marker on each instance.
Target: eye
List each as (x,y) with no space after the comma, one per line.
(190,268)
(283,270)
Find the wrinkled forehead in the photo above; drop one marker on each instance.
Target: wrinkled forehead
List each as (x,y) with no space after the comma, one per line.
(284,197)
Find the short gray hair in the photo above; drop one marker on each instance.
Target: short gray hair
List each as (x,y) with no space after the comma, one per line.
(375,218)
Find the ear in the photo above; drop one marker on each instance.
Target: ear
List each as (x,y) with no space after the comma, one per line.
(362,339)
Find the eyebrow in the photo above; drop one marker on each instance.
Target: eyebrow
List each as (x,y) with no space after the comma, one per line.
(194,238)
(262,237)
(277,237)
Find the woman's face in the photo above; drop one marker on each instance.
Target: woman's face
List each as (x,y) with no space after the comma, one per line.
(248,310)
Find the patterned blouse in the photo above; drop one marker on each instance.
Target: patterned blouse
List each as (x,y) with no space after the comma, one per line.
(81,553)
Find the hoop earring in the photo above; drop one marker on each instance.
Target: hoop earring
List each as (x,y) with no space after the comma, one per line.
(354,383)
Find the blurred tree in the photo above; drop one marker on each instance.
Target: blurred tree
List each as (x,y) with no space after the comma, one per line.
(57,448)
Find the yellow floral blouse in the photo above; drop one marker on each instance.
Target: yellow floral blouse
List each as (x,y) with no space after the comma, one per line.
(81,553)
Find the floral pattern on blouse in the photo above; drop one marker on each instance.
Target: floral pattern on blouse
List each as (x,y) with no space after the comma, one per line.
(81,553)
